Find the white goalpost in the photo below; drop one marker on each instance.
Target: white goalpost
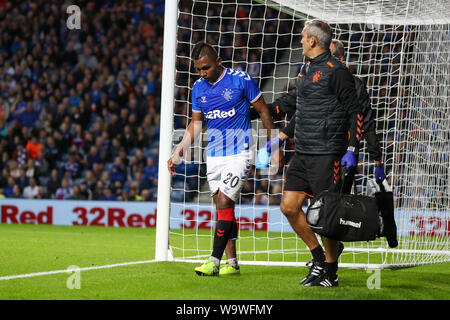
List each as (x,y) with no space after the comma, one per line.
(401,51)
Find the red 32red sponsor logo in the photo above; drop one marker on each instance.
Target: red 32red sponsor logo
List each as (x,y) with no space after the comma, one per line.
(204,218)
(430,226)
(112,217)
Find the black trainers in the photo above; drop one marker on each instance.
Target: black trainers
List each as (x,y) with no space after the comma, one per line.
(341,248)
(324,280)
(315,271)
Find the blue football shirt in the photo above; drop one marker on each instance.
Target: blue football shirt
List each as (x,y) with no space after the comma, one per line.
(225,105)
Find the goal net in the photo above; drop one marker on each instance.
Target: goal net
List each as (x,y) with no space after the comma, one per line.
(400,49)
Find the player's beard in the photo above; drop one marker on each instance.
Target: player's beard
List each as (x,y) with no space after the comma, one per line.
(216,75)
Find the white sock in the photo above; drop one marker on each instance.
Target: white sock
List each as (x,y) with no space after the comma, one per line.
(215,260)
(233,262)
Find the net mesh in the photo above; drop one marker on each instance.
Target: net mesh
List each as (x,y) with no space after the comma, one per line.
(400,49)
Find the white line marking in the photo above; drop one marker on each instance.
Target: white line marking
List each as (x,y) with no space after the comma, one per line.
(37,274)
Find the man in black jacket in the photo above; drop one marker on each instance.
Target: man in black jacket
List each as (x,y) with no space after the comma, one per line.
(328,128)
(287,103)
(369,122)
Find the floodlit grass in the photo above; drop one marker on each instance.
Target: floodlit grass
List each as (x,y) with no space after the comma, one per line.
(30,248)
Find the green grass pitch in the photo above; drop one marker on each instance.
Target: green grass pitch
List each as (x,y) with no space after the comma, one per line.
(26,249)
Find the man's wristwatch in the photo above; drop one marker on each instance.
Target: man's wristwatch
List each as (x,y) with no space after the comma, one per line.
(352,149)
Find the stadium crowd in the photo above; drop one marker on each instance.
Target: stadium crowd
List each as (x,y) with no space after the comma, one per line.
(79,109)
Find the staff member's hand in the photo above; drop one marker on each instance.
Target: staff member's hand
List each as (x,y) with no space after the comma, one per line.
(379,173)
(269,152)
(348,160)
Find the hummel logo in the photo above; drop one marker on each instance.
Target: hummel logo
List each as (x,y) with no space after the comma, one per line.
(350,223)
(220,232)
(203,100)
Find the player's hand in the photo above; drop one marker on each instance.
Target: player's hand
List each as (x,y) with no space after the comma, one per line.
(348,160)
(174,161)
(268,153)
(379,174)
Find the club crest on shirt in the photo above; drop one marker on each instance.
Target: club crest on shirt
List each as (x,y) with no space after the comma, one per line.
(227,94)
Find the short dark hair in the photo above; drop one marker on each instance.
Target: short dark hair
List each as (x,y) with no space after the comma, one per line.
(321,31)
(339,49)
(202,49)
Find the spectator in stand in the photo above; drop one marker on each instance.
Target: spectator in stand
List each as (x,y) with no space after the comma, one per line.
(22,180)
(3,128)
(97,169)
(4,109)
(72,167)
(30,169)
(28,116)
(140,158)
(53,154)
(135,192)
(128,138)
(76,194)
(41,164)
(107,195)
(98,190)
(65,134)
(133,167)
(16,192)
(4,177)
(14,170)
(117,189)
(41,193)
(32,190)
(75,98)
(86,194)
(90,180)
(144,184)
(142,139)
(92,157)
(115,148)
(78,137)
(53,184)
(65,191)
(105,178)
(20,155)
(151,172)
(10,187)
(33,146)
(118,171)
(150,124)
